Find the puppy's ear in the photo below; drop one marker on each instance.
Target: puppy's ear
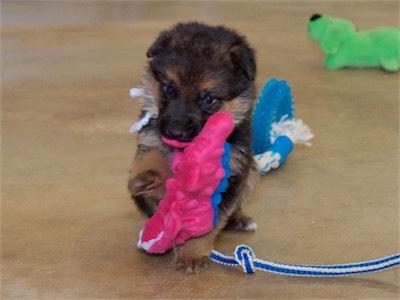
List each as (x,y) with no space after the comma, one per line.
(243,57)
(160,44)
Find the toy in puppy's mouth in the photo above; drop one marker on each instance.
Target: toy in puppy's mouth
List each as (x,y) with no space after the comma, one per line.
(175,143)
(200,175)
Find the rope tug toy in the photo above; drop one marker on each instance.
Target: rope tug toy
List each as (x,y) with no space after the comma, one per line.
(245,258)
(190,206)
(275,130)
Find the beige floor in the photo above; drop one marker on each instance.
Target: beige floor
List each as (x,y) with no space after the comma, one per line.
(69,227)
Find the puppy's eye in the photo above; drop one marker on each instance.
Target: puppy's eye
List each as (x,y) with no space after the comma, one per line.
(169,90)
(208,100)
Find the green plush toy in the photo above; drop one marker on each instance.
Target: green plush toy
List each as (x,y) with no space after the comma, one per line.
(347,47)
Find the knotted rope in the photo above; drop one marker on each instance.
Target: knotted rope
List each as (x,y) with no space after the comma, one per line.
(246,259)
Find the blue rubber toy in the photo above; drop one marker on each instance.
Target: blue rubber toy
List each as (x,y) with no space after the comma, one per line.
(274,102)
(275,129)
(216,198)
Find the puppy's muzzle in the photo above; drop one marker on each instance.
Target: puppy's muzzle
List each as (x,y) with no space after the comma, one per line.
(183,129)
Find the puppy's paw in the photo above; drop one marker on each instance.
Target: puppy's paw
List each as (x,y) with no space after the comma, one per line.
(191,265)
(240,222)
(145,183)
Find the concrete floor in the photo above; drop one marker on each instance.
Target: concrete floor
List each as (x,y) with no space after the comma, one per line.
(69,228)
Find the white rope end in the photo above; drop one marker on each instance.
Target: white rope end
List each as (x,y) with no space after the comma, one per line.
(295,129)
(136,92)
(142,122)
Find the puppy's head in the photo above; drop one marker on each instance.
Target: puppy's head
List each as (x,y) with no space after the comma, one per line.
(196,70)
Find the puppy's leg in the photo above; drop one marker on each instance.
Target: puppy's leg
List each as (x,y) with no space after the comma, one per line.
(239,221)
(147,178)
(193,255)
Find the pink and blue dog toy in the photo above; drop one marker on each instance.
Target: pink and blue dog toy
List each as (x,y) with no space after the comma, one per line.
(200,174)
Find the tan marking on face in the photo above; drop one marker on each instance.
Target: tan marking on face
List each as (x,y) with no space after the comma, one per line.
(172,75)
(207,85)
(238,107)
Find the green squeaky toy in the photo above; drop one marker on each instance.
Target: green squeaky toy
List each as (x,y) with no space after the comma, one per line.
(347,47)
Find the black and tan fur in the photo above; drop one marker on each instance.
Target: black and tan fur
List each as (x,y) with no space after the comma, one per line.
(194,71)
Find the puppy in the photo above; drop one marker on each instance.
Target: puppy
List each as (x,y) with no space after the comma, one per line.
(194,71)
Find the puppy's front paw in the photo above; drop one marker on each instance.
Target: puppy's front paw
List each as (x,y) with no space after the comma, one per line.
(191,265)
(147,189)
(145,183)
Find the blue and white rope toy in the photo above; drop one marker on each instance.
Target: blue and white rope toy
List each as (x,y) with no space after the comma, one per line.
(245,258)
(275,129)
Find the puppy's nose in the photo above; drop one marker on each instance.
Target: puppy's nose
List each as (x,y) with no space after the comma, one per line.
(315,17)
(182,130)
(175,132)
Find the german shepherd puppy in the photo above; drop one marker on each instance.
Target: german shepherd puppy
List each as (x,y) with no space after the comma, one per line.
(194,71)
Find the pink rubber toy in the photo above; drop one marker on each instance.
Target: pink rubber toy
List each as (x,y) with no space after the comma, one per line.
(186,210)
